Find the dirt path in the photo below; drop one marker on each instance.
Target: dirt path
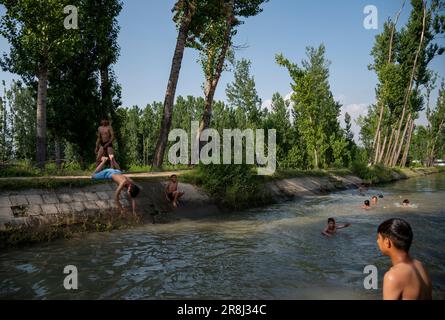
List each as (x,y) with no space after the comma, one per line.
(162,174)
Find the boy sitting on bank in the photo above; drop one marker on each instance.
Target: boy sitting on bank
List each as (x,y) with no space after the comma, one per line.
(132,190)
(171,191)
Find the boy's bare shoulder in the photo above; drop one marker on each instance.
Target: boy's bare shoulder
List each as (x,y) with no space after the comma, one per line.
(397,274)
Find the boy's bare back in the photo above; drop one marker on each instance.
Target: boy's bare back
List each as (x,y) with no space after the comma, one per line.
(407,281)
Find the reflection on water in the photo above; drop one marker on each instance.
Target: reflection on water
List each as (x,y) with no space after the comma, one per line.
(272,253)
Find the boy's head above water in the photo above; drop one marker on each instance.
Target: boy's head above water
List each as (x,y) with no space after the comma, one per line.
(374,200)
(367,203)
(394,235)
(405,202)
(331,221)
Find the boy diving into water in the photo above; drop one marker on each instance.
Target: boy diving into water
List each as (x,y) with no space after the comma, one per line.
(122,182)
(104,143)
(407,279)
(332,227)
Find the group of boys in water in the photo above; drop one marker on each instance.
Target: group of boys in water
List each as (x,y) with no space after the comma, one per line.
(406,280)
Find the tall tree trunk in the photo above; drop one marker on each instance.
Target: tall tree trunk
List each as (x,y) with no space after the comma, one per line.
(382,107)
(105,91)
(41,117)
(382,150)
(410,85)
(408,145)
(377,149)
(316,159)
(390,146)
(212,80)
(433,146)
(398,148)
(57,151)
(171,91)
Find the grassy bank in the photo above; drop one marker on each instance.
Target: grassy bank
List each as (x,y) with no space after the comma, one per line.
(380,174)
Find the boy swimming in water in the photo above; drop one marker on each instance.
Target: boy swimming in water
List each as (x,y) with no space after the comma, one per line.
(406,203)
(332,227)
(171,191)
(366,205)
(407,279)
(374,200)
(132,190)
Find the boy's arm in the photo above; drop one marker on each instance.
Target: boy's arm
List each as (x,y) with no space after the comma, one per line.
(133,205)
(392,287)
(117,194)
(97,141)
(324,232)
(341,226)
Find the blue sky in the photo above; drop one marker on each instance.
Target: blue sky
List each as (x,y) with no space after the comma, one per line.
(148,37)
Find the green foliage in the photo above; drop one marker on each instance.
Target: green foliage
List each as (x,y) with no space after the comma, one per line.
(234,187)
(315,110)
(242,95)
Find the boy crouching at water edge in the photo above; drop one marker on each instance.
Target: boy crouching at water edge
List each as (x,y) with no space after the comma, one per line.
(121,181)
(332,227)
(407,279)
(171,191)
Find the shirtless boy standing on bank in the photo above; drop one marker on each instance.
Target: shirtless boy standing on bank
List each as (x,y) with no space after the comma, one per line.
(407,279)
(104,143)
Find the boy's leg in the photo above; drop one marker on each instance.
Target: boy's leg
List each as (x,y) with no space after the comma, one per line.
(113,161)
(100,154)
(177,195)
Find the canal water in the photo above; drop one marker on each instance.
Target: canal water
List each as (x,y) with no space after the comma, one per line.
(276,252)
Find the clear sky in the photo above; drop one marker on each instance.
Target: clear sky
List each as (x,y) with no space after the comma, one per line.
(148,37)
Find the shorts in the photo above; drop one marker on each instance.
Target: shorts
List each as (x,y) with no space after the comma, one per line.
(170,196)
(106,174)
(102,144)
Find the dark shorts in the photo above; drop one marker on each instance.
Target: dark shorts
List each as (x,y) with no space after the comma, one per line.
(102,144)
(171,196)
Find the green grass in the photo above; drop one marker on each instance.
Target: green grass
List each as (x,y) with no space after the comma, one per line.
(45,183)
(26,169)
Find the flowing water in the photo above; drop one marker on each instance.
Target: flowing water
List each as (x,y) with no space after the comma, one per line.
(270,253)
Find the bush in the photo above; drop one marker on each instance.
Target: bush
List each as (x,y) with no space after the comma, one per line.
(234,187)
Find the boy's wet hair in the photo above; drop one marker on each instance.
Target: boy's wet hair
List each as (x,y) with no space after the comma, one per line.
(134,190)
(173,176)
(406,201)
(398,231)
(331,220)
(374,197)
(367,203)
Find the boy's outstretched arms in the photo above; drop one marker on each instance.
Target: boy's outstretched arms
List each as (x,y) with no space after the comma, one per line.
(325,232)
(342,226)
